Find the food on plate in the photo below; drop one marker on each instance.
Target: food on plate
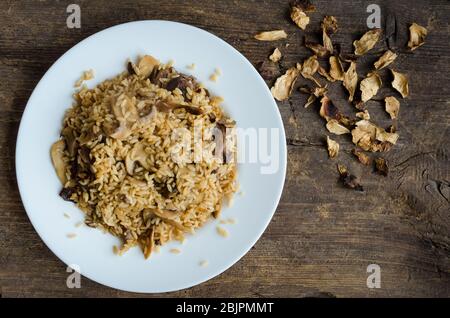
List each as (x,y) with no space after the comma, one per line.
(148,155)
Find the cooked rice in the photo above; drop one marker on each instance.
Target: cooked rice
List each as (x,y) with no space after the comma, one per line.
(222,232)
(162,197)
(175,251)
(203,263)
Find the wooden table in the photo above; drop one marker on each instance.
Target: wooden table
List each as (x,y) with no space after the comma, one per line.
(323,236)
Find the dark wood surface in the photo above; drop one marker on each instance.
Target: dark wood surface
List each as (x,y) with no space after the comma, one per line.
(322,236)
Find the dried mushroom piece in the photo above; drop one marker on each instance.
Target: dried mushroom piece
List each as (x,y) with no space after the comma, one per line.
(318,49)
(137,154)
(349,180)
(400,83)
(325,74)
(329,26)
(314,94)
(333,148)
(387,58)
(329,112)
(417,34)
(310,101)
(275,56)
(271,35)
(309,68)
(369,86)
(372,138)
(57,154)
(336,68)
(367,41)
(392,106)
(351,80)
(362,157)
(381,166)
(363,115)
(285,84)
(146,65)
(124,109)
(336,128)
(299,17)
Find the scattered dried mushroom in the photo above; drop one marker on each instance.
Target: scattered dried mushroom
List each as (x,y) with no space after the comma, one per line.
(299,17)
(275,56)
(381,166)
(284,85)
(417,34)
(372,138)
(369,86)
(349,180)
(333,148)
(367,41)
(351,80)
(392,106)
(271,35)
(387,58)
(400,83)
(362,157)
(365,134)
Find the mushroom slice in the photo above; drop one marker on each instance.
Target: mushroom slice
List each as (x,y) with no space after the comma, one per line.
(392,106)
(417,34)
(299,17)
(370,137)
(351,80)
(369,86)
(318,49)
(349,181)
(381,166)
(146,65)
(165,107)
(57,153)
(362,157)
(136,154)
(336,69)
(367,41)
(276,55)
(336,128)
(170,217)
(387,58)
(333,148)
(71,141)
(284,84)
(124,109)
(271,35)
(149,243)
(400,83)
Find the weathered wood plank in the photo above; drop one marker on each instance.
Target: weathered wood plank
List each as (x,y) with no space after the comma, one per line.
(323,236)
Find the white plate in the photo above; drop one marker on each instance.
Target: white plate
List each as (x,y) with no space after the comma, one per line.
(247,100)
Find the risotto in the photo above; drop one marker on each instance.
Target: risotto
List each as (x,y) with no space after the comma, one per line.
(148,155)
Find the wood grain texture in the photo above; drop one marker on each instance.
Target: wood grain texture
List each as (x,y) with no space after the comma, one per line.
(322,236)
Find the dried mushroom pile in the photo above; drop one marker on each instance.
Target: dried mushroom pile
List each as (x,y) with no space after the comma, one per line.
(365,134)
